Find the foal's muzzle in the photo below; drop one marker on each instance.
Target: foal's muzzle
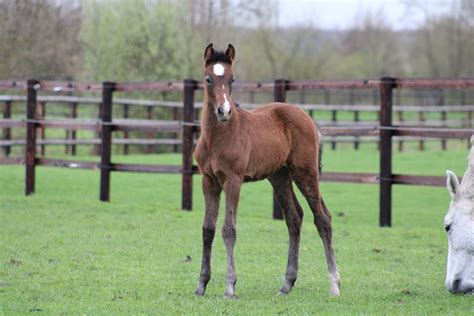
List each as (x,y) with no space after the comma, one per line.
(223,113)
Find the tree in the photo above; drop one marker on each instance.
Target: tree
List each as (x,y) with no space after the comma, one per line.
(133,40)
(39,39)
(369,49)
(444,41)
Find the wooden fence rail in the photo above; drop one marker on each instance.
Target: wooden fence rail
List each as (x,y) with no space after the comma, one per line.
(385,130)
(70,141)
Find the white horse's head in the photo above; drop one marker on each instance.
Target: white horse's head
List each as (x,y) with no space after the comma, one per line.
(459,224)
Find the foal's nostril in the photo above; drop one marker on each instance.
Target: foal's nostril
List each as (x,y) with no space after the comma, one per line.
(220,111)
(230,111)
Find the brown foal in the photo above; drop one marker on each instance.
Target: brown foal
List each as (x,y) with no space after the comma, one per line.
(278,142)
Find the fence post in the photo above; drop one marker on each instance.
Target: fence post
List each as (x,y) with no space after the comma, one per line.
(375,101)
(149,135)
(125,133)
(106,139)
(97,148)
(188,143)
(196,115)
(7,113)
(73,133)
(469,115)
(398,101)
(386,99)
(279,95)
(327,101)
(30,158)
(303,101)
(400,119)
(356,117)
(176,136)
(42,115)
(443,115)
(334,121)
(421,119)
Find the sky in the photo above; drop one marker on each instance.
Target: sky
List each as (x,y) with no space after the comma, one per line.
(341,14)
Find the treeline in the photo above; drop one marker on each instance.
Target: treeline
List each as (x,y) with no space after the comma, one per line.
(163,40)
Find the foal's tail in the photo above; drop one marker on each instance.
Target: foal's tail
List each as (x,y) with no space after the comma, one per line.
(320,150)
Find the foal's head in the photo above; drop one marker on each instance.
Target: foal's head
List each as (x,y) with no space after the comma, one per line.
(459,224)
(218,79)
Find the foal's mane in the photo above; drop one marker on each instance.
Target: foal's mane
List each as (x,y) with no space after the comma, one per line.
(218,56)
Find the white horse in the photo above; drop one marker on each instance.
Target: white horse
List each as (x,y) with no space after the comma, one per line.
(459,224)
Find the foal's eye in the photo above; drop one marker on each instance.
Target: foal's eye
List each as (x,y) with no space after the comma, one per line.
(447,228)
(232,80)
(208,80)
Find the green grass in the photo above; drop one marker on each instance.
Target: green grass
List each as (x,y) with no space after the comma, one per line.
(62,251)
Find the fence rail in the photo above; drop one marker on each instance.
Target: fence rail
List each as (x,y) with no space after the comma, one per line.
(384,131)
(126,125)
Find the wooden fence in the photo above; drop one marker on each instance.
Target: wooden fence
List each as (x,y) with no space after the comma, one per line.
(405,115)
(70,142)
(385,130)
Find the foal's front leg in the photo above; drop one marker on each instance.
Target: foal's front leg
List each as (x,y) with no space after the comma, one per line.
(212,191)
(232,192)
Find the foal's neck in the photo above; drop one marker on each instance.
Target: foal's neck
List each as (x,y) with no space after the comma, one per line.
(208,119)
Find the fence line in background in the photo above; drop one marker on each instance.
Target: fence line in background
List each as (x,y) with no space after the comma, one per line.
(73,102)
(384,130)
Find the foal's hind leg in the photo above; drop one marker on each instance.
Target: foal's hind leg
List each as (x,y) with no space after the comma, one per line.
(307,181)
(212,191)
(334,278)
(293,213)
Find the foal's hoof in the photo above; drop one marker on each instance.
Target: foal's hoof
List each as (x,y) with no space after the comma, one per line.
(283,292)
(230,296)
(335,288)
(199,291)
(335,291)
(286,288)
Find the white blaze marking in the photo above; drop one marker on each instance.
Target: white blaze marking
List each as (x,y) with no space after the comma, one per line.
(226,104)
(218,70)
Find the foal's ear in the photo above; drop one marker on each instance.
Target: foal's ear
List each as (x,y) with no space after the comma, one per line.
(208,52)
(230,53)
(452,183)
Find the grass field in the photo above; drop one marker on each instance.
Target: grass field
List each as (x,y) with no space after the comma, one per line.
(62,251)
